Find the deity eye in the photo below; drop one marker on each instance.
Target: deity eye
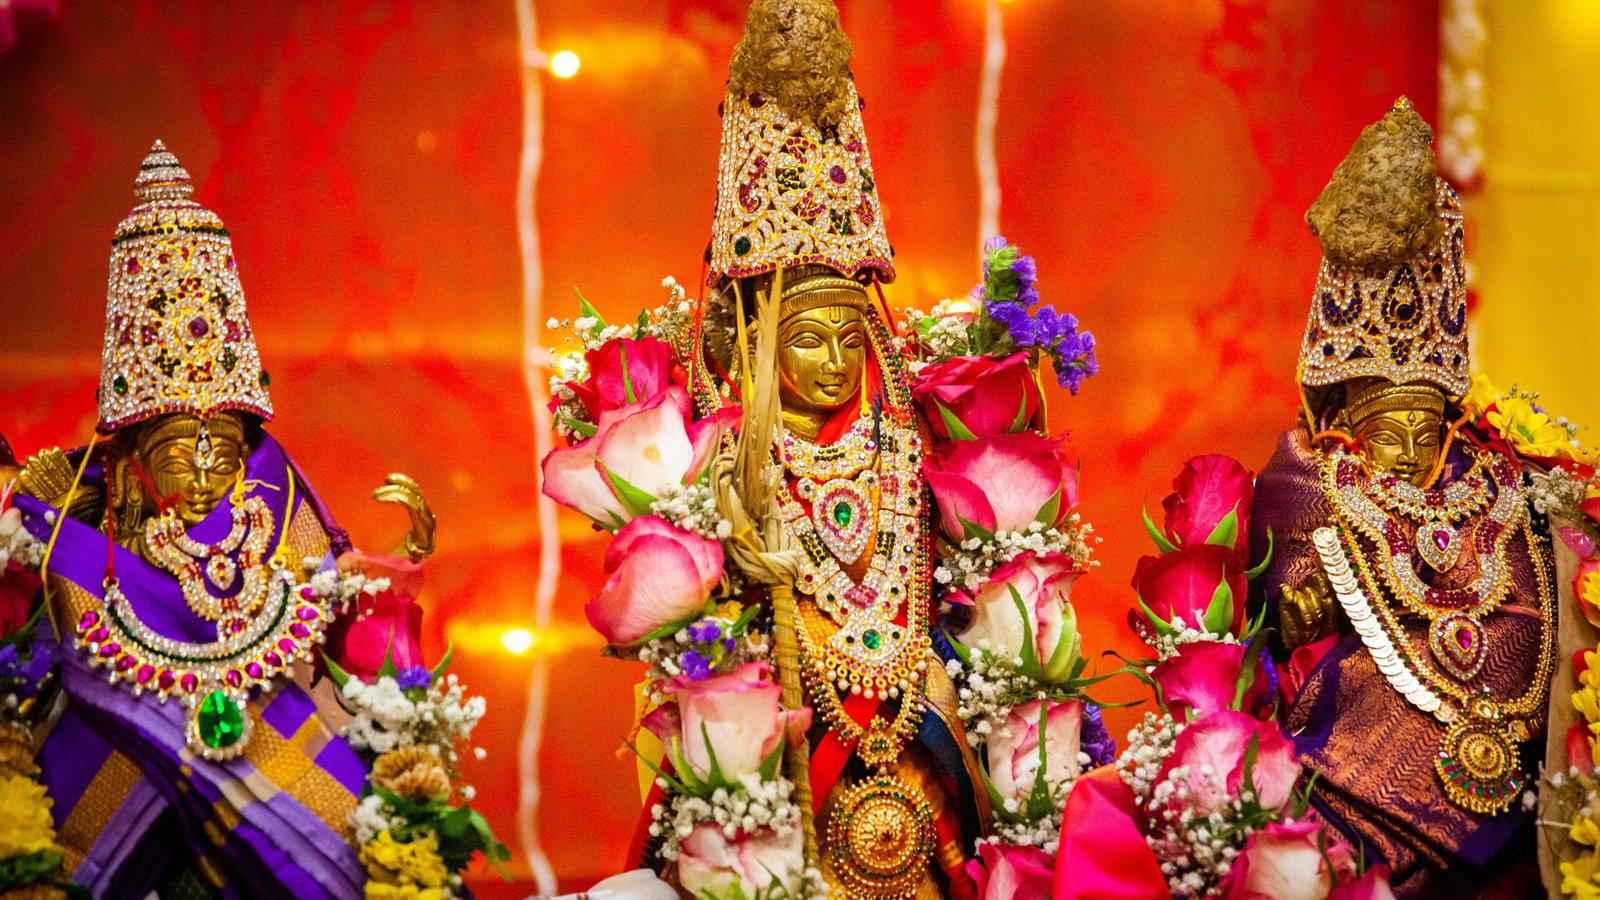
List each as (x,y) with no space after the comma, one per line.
(1384,439)
(806,341)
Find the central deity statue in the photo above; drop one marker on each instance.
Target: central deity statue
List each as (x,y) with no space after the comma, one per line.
(831,471)
(1411,581)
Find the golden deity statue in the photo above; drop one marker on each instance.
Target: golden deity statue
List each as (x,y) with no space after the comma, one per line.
(1412,582)
(188,751)
(824,487)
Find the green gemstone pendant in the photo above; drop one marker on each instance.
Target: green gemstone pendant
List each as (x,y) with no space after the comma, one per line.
(842,514)
(872,639)
(217,727)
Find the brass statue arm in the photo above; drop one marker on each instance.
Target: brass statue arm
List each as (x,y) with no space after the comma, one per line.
(401,489)
(1308,612)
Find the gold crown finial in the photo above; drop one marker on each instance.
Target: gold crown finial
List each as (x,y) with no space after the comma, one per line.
(1403,103)
(795,53)
(162,177)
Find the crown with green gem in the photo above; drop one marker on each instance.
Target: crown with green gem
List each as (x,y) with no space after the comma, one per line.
(178,338)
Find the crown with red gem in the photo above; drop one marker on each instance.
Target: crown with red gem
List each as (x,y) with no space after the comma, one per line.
(1391,299)
(177,335)
(794,183)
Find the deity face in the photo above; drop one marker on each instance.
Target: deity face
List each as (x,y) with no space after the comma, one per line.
(820,357)
(1404,443)
(168,450)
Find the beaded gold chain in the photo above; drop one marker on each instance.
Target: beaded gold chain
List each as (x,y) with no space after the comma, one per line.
(1478,762)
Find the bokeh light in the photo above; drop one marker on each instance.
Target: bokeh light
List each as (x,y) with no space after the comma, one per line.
(564,64)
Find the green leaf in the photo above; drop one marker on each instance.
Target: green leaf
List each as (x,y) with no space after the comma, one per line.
(956,428)
(1162,544)
(1247,674)
(388,658)
(581,428)
(635,499)
(588,311)
(1260,567)
(1039,804)
(1051,510)
(627,383)
(1162,628)
(642,326)
(444,661)
(1030,655)
(1219,613)
(714,777)
(674,783)
(962,652)
(997,803)
(1227,531)
(335,674)
(1021,421)
(769,766)
(970,530)
(670,628)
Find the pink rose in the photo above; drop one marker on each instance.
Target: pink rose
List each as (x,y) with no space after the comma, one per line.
(388,622)
(1372,885)
(1004,872)
(1204,493)
(643,367)
(640,451)
(1293,860)
(1001,483)
(986,396)
(1044,583)
(1203,676)
(659,574)
(712,864)
(1184,584)
(1013,752)
(1213,749)
(738,716)
(1580,753)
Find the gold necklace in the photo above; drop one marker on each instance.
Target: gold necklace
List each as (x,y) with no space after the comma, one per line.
(1478,761)
(201,567)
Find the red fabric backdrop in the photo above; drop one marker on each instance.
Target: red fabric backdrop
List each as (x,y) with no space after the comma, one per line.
(1156,157)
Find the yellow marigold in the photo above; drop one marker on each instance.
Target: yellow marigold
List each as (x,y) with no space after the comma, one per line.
(415,862)
(1589,593)
(1578,877)
(1585,830)
(730,610)
(402,892)
(1587,702)
(1482,394)
(25,825)
(1530,430)
(1590,676)
(415,773)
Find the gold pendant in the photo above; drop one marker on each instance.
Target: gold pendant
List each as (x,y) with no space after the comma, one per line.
(1478,763)
(880,838)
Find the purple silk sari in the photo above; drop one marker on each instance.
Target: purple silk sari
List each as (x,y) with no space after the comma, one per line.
(265,824)
(1373,751)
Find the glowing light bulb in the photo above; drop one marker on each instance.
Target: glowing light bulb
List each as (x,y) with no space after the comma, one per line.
(564,64)
(517,641)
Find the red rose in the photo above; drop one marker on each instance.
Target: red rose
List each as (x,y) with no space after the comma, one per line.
(1204,493)
(987,396)
(1001,482)
(389,622)
(1185,583)
(18,589)
(644,366)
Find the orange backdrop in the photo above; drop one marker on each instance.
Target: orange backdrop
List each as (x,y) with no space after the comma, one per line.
(1155,156)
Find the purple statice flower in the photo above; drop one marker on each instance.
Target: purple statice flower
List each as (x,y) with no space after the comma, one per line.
(696,666)
(705,631)
(22,676)
(1075,360)
(1015,319)
(992,246)
(413,677)
(1094,739)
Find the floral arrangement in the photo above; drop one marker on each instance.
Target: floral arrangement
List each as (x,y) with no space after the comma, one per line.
(414,823)
(30,859)
(637,466)
(1011,545)
(1208,799)
(1571,798)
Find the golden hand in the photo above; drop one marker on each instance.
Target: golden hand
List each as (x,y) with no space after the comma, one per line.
(401,489)
(1306,612)
(47,475)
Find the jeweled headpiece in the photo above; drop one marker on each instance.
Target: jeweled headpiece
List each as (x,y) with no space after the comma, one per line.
(817,287)
(1391,298)
(1382,398)
(177,335)
(794,184)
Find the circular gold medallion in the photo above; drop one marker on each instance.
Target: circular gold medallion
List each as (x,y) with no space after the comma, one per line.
(880,838)
(1478,765)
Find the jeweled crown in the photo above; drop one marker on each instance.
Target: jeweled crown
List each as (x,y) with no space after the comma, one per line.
(794,182)
(1391,298)
(177,335)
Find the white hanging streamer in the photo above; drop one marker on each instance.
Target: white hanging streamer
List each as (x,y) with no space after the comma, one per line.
(994,60)
(535,362)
